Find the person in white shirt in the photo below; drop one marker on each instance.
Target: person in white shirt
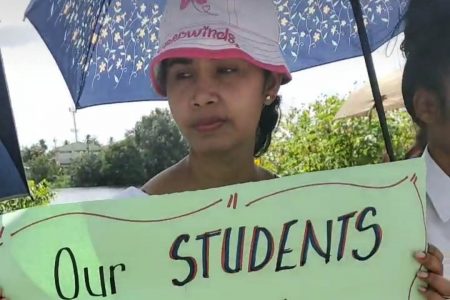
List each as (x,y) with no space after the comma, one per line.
(426,93)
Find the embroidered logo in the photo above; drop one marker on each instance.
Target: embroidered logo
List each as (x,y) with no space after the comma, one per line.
(205,32)
(200,5)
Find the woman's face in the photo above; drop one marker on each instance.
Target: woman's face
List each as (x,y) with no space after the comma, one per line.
(435,114)
(216,103)
(442,126)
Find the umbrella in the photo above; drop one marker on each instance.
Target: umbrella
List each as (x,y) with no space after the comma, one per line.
(361,102)
(12,175)
(103,48)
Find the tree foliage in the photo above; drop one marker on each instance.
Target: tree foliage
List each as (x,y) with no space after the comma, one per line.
(85,171)
(39,163)
(310,139)
(41,194)
(43,167)
(153,145)
(159,141)
(123,164)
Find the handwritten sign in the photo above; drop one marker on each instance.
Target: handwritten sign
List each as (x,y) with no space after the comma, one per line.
(344,234)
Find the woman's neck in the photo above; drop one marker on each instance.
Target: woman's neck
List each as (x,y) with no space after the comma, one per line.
(221,170)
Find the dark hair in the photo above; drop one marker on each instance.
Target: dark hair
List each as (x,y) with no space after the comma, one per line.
(270,117)
(161,76)
(427,49)
(268,121)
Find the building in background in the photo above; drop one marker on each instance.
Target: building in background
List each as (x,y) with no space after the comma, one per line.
(64,155)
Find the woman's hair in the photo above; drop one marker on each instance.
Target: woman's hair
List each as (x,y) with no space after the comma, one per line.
(270,117)
(427,49)
(268,121)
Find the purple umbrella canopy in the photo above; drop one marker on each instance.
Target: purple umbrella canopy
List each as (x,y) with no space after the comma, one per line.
(104,48)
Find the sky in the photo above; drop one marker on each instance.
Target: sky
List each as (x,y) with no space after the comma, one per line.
(41,101)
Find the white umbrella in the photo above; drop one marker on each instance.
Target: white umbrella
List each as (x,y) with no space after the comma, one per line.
(360,102)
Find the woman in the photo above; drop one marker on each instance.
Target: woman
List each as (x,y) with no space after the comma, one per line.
(221,67)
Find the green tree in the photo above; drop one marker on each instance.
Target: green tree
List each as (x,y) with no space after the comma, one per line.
(40,163)
(159,141)
(41,194)
(310,139)
(88,141)
(43,145)
(35,150)
(43,167)
(122,164)
(91,140)
(86,170)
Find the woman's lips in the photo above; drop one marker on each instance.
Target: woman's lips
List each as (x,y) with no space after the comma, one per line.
(206,125)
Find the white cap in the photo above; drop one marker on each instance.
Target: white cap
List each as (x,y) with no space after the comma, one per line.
(221,29)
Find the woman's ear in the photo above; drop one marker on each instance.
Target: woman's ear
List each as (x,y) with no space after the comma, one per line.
(272,84)
(426,106)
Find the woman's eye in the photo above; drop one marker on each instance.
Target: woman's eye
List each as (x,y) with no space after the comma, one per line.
(227,70)
(183,75)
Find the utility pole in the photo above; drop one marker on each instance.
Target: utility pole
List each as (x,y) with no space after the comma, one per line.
(75,130)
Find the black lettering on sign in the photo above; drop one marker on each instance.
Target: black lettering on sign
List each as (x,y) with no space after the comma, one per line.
(377,231)
(102,283)
(252,265)
(192,264)
(344,229)
(239,251)
(205,250)
(112,278)
(310,238)
(282,247)
(76,283)
(88,278)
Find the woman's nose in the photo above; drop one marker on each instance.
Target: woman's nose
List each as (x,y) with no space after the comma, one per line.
(205,91)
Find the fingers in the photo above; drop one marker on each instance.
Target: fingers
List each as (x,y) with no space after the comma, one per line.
(436,283)
(430,294)
(2,296)
(435,252)
(431,262)
(437,287)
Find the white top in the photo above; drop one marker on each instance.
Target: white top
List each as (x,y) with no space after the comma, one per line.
(438,209)
(130,192)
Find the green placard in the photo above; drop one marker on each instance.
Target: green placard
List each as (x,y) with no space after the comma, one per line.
(342,234)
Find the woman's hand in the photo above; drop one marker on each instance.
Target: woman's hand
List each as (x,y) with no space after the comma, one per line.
(437,287)
(2,296)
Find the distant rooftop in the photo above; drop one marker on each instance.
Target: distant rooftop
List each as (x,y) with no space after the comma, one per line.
(78,146)
(64,155)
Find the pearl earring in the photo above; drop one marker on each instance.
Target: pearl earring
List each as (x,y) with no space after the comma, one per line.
(268,100)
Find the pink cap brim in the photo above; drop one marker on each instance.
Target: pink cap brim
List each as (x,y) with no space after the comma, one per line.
(212,54)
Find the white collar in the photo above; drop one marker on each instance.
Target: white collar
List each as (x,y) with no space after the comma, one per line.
(438,187)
